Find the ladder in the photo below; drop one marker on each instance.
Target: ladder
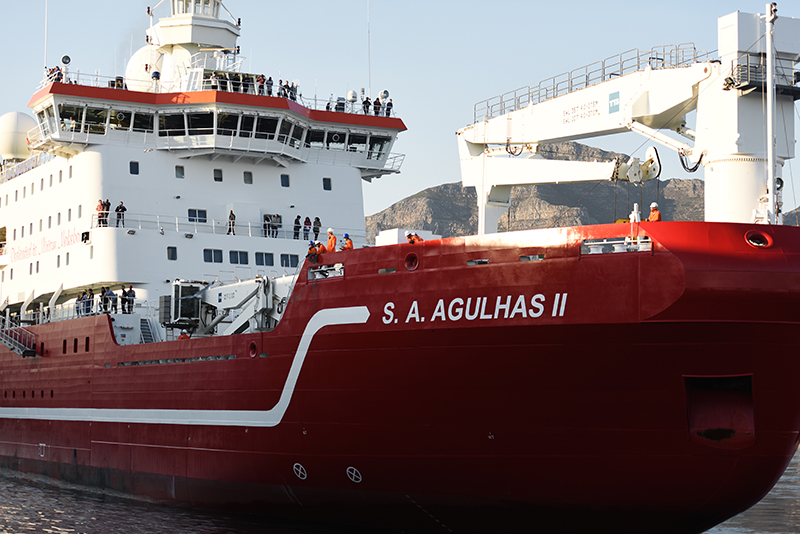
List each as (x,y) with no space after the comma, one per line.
(17,339)
(146,333)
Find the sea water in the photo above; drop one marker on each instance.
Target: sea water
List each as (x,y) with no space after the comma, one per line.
(29,505)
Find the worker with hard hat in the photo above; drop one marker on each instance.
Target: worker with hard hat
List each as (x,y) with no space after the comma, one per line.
(320,247)
(410,237)
(331,241)
(655,215)
(184,334)
(348,243)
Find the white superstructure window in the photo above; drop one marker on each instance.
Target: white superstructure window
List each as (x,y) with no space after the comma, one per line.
(248,177)
(238,257)
(40,225)
(179,172)
(79,210)
(212,255)
(66,259)
(58,261)
(197,215)
(284,180)
(31,229)
(22,232)
(58,219)
(289,260)
(134,167)
(217,175)
(41,185)
(32,189)
(327,184)
(265,258)
(172,253)
(15,235)
(60,176)
(70,171)
(16,196)
(69,215)
(49,221)
(37,267)
(51,180)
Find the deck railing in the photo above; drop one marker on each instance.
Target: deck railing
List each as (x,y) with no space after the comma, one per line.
(660,57)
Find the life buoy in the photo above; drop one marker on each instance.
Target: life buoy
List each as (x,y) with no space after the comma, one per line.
(335,137)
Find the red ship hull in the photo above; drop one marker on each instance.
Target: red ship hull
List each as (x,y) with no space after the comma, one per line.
(619,392)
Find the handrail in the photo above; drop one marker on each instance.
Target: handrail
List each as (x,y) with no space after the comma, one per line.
(207,225)
(659,57)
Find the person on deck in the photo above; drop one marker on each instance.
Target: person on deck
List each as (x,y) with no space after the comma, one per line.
(417,238)
(410,237)
(655,215)
(320,247)
(184,335)
(297,226)
(120,214)
(231,223)
(306,228)
(317,226)
(331,246)
(348,243)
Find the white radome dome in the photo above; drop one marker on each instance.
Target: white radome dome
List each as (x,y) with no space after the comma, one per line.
(14,128)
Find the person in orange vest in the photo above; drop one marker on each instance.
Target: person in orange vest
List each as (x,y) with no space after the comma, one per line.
(320,247)
(348,243)
(312,249)
(331,241)
(410,237)
(655,215)
(184,335)
(417,238)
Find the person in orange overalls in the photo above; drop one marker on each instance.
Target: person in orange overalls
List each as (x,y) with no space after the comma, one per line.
(184,335)
(320,247)
(331,241)
(348,243)
(417,238)
(410,237)
(655,215)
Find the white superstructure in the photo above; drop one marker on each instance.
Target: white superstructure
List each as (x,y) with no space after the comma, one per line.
(181,152)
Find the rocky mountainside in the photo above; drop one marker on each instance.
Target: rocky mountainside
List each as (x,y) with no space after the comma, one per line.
(451,210)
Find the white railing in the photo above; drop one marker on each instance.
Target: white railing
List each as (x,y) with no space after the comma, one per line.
(189,226)
(660,57)
(615,245)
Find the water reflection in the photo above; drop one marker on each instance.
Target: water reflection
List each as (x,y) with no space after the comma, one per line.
(29,505)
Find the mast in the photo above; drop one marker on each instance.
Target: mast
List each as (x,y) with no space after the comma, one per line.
(771,15)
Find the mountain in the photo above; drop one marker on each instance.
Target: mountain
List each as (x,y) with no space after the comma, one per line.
(451,210)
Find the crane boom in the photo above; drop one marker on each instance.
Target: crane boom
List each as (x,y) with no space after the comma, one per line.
(727,95)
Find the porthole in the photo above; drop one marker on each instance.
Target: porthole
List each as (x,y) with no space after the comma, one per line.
(758,239)
(253,349)
(412,262)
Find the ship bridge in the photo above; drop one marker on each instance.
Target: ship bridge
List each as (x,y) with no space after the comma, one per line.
(212,124)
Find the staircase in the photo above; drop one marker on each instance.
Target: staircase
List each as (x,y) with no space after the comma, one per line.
(18,339)
(146,332)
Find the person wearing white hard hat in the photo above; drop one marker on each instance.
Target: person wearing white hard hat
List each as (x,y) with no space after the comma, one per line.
(331,241)
(184,334)
(410,237)
(655,215)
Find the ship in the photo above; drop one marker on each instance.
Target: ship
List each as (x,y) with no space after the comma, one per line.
(172,336)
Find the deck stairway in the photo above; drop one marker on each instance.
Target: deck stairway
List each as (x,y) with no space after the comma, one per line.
(18,339)
(146,331)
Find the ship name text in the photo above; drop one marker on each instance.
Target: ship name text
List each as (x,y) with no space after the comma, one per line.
(480,308)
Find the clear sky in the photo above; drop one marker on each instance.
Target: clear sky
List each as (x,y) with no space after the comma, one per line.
(436,58)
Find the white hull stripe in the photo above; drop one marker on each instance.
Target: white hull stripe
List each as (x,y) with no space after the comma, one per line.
(267,418)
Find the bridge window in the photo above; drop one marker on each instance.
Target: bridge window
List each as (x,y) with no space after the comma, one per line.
(201,123)
(120,120)
(266,127)
(377,146)
(315,139)
(212,255)
(238,257)
(143,122)
(357,143)
(286,129)
(171,124)
(246,128)
(264,258)
(71,117)
(336,140)
(297,136)
(227,123)
(96,120)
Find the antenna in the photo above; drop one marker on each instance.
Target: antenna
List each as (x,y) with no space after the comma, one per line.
(45,36)
(369,56)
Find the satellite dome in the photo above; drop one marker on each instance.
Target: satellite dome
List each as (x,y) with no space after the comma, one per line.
(14,128)
(352,96)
